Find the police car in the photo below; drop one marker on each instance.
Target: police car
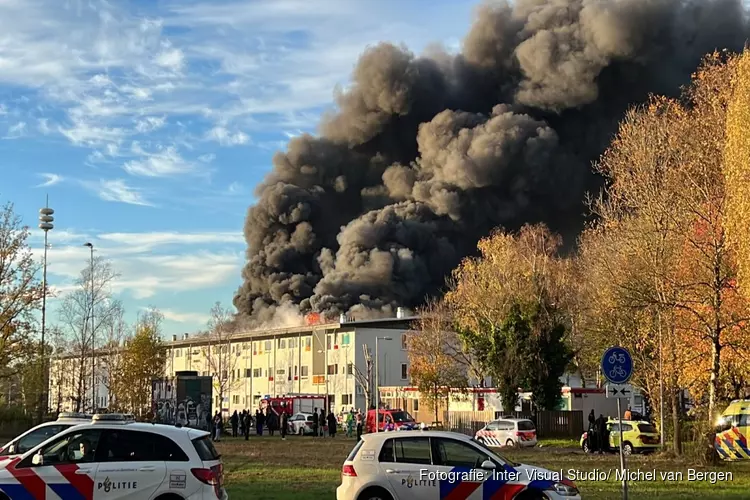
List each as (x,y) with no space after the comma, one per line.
(432,465)
(42,432)
(114,457)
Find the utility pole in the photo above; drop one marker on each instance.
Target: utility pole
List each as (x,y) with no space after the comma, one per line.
(45,224)
(93,332)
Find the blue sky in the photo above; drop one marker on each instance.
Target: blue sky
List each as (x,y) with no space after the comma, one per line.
(148,123)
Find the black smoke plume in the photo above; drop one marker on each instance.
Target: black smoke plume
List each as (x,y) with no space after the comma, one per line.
(425,155)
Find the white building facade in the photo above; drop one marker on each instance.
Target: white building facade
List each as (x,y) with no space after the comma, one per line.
(315,359)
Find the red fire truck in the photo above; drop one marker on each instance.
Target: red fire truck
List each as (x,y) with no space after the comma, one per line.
(295,403)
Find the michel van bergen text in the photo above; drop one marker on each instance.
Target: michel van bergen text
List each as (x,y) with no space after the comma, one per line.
(527,475)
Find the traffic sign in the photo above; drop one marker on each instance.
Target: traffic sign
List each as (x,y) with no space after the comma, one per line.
(620,391)
(617,365)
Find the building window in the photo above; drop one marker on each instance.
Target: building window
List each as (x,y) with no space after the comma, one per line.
(248,372)
(350,369)
(346,399)
(269,345)
(328,342)
(415,404)
(333,369)
(308,342)
(236,399)
(177,353)
(280,371)
(403,341)
(257,372)
(404,371)
(344,339)
(245,346)
(281,343)
(303,371)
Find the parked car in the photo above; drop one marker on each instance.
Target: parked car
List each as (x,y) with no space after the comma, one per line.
(409,466)
(510,431)
(638,436)
(301,423)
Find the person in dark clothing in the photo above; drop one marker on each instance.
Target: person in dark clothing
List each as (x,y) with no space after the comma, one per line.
(315,422)
(272,421)
(247,424)
(602,436)
(234,420)
(322,422)
(359,425)
(591,433)
(284,424)
(332,424)
(259,421)
(241,420)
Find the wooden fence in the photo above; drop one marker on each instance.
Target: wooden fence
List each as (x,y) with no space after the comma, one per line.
(549,424)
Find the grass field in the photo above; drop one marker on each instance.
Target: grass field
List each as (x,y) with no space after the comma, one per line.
(303,468)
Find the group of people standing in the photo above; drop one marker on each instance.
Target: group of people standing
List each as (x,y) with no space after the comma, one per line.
(598,434)
(268,418)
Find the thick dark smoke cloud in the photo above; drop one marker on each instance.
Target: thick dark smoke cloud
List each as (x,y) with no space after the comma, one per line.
(425,155)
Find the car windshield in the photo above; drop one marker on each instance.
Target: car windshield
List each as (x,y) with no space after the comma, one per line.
(647,428)
(401,416)
(525,425)
(494,454)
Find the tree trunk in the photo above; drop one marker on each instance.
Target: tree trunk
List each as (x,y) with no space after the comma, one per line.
(677,428)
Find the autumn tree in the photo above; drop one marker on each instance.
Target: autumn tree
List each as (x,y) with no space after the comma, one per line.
(666,207)
(91,296)
(20,293)
(221,361)
(736,166)
(508,308)
(437,362)
(142,360)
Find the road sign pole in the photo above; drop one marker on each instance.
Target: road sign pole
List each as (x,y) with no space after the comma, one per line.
(622,455)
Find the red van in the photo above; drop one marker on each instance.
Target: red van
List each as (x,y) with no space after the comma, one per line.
(395,419)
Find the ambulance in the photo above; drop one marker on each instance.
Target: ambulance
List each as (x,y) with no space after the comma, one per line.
(733,431)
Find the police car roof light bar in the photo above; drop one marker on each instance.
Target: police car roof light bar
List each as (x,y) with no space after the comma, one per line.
(73,414)
(113,417)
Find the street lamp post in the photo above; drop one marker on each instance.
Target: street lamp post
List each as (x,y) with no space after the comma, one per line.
(377,383)
(45,224)
(93,326)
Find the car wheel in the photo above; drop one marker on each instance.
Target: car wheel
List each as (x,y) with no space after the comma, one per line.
(509,443)
(627,449)
(375,494)
(532,495)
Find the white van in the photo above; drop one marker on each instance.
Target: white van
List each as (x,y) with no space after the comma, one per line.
(508,431)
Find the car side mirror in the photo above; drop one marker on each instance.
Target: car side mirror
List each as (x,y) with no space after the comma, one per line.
(38,459)
(488,465)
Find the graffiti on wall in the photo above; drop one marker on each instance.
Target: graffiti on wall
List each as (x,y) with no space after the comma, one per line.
(184,401)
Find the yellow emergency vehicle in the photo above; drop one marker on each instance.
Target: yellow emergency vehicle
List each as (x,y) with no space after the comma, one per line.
(733,431)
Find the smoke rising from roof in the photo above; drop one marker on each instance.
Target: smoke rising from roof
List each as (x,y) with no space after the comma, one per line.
(425,155)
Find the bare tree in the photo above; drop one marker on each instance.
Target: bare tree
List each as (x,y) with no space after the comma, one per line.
(221,360)
(365,378)
(89,296)
(61,369)
(115,331)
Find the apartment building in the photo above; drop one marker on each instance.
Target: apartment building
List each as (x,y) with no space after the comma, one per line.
(317,358)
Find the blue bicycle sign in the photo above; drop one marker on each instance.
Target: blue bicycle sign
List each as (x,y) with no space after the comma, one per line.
(617,365)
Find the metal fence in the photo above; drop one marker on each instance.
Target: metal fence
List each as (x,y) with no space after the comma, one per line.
(549,424)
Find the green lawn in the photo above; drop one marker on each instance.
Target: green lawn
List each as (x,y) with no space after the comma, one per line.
(303,468)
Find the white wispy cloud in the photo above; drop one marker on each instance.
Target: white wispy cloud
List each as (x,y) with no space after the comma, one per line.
(16,131)
(226,138)
(50,180)
(116,190)
(148,263)
(184,317)
(164,162)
